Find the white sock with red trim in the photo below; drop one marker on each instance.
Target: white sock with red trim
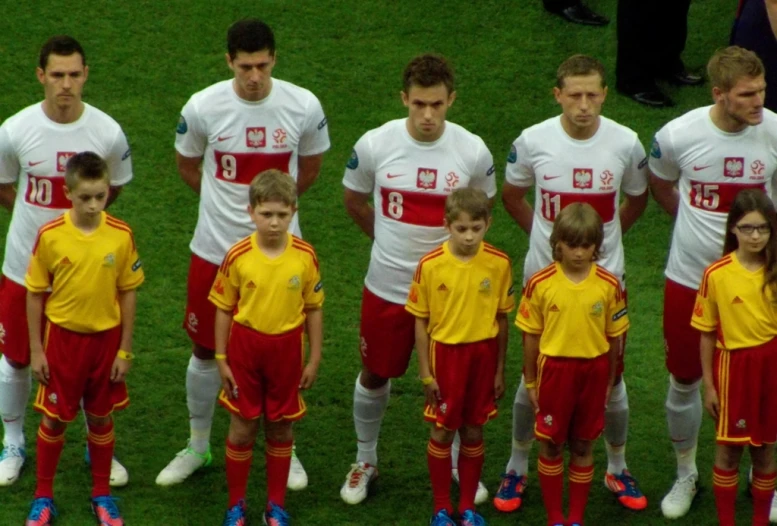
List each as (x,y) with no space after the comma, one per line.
(15,385)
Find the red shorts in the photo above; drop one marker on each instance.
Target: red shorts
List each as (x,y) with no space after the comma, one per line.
(267,370)
(200,312)
(14,337)
(80,368)
(387,336)
(572,395)
(744,380)
(681,341)
(465,374)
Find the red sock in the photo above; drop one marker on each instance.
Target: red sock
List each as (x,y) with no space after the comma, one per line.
(438,458)
(277,457)
(50,443)
(238,466)
(762,490)
(100,441)
(724,486)
(580,479)
(471,457)
(551,475)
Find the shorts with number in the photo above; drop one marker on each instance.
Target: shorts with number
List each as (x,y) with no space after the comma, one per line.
(14,338)
(267,369)
(744,380)
(200,312)
(80,368)
(572,396)
(465,374)
(387,336)
(681,341)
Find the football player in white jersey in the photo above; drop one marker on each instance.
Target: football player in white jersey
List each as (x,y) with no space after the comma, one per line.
(406,167)
(579,156)
(698,163)
(227,134)
(35,145)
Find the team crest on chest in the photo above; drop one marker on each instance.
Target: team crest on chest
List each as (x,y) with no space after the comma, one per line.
(485,286)
(597,309)
(256,137)
(734,166)
(582,178)
(606,178)
(427,178)
(62,159)
(757,168)
(109,260)
(451,180)
(294,283)
(279,138)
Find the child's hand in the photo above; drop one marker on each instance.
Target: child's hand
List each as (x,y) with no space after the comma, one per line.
(533,397)
(432,391)
(711,403)
(499,385)
(228,383)
(40,367)
(120,369)
(308,376)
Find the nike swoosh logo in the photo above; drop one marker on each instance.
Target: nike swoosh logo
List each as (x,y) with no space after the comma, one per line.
(219,139)
(699,168)
(31,164)
(549,177)
(391,176)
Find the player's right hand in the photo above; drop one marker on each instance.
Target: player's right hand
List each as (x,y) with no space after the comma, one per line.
(40,367)
(535,403)
(432,392)
(227,380)
(711,403)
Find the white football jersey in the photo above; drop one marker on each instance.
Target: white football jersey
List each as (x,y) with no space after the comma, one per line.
(566,170)
(410,181)
(238,139)
(710,167)
(33,153)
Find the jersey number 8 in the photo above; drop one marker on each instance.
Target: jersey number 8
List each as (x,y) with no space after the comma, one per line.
(394,208)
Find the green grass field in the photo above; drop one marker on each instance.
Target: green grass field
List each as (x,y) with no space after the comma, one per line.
(147,58)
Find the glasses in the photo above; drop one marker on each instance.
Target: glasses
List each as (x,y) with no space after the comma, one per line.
(749,229)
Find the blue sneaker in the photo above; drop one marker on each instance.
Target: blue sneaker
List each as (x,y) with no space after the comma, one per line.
(105,510)
(236,515)
(441,518)
(276,516)
(509,497)
(42,512)
(472,518)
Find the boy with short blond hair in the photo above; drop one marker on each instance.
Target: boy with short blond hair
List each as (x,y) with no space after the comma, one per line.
(89,261)
(267,293)
(460,296)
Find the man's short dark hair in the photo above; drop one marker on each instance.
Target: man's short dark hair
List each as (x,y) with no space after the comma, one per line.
(426,71)
(60,45)
(250,35)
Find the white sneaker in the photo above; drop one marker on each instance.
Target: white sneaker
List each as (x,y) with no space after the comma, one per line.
(298,479)
(11,462)
(119,474)
(481,495)
(357,482)
(678,501)
(186,462)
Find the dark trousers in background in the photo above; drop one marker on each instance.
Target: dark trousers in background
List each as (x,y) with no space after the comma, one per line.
(752,31)
(651,39)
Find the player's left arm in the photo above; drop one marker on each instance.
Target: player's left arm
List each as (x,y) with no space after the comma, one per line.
(127,306)
(501,341)
(313,142)
(612,358)
(634,186)
(631,208)
(119,161)
(314,326)
(8,196)
(308,170)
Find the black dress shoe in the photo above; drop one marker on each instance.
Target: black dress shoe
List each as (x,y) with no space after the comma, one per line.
(581,14)
(653,98)
(684,78)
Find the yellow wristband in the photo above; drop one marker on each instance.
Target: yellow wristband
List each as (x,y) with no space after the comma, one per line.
(531,385)
(426,380)
(124,355)
(221,356)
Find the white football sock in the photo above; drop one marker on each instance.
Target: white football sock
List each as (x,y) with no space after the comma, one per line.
(15,387)
(369,406)
(523,431)
(455,446)
(203,383)
(683,417)
(616,428)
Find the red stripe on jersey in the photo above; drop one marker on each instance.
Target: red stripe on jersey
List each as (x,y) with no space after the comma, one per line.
(610,278)
(46,192)
(540,276)
(495,252)
(717,197)
(301,241)
(437,252)
(54,223)
(413,208)
(722,262)
(237,249)
(121,225)
(241,168)
(552,203)
(308,249)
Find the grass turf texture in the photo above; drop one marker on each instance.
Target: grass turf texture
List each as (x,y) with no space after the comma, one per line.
(147,58)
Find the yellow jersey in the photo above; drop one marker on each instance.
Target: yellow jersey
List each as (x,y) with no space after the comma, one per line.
(731,301)
(269,295)
(462,298)
(574,319)
(84,271)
